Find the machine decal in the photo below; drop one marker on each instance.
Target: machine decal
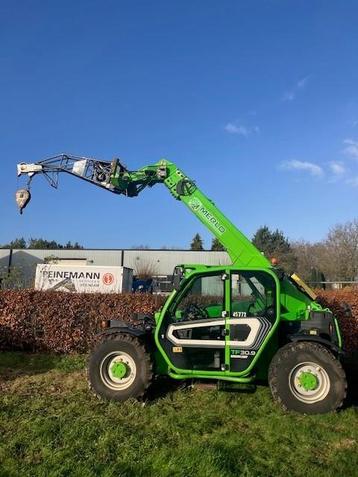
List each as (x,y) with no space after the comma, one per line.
(196,205)
(179,334)
(241,354)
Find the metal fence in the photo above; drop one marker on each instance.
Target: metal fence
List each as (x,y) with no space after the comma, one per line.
(333,285)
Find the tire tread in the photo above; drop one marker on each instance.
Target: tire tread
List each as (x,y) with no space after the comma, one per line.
(282,356)
(127,338)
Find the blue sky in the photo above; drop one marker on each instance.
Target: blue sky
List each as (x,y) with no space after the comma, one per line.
(257,101)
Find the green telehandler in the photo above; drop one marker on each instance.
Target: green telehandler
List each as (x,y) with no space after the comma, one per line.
(240,323)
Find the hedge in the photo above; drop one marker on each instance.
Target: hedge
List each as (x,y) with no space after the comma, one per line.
(344,304)
(62,322)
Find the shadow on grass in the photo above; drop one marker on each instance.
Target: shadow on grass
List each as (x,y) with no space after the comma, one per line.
(162,387)
(19,363)
(350,365)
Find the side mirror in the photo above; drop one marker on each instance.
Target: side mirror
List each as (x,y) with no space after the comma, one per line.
(177,277)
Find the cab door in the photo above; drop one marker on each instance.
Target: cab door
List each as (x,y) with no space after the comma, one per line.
(193,331)
(253,312)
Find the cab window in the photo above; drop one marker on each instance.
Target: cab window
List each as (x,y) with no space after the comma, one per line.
(253,293)
(203,299)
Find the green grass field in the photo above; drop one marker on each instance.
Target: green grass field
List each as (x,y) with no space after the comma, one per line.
(51,425)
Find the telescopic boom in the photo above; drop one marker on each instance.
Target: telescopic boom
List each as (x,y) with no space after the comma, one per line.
(115,177)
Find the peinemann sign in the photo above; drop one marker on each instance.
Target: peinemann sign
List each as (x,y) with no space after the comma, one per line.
(83,279)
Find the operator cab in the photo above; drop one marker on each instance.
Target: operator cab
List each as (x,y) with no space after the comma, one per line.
(218,318)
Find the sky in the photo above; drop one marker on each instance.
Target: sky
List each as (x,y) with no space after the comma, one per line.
(255,100)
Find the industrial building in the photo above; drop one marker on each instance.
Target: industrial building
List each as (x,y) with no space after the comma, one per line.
(156,263)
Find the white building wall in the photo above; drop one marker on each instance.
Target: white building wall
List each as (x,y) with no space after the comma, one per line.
(160,262)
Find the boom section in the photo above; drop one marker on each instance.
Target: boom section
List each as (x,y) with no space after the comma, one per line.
(91,170)
(240,249)
(115,177)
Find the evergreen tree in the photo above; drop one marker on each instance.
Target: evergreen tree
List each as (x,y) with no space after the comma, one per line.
(197,243)
(17,243)
(39,243)
(217,245)
(275,245)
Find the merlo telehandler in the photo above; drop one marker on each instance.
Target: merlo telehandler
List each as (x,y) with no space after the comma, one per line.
(242,323)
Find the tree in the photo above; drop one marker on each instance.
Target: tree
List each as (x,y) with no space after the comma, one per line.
(336,257)
(217,245)
(342,250)
(52,244)
(303,253)
(39,243)
(316,278)
(311,259)
(73,246)
(197,243)
(17,243)
(275,245)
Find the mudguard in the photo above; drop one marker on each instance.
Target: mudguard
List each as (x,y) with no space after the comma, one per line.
(119,326)
(317,339)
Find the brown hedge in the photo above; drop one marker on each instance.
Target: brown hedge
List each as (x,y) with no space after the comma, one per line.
(60,321)
(64,322)
(344,304)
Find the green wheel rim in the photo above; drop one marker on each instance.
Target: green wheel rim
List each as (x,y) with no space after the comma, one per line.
(309,382)
(118,370)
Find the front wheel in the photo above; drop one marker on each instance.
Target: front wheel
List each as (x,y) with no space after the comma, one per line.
(119,368)
(307,378)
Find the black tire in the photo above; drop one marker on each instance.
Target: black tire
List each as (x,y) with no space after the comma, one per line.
(286,372)
(119,346)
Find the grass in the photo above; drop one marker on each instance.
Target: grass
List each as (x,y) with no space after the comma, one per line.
(51,425)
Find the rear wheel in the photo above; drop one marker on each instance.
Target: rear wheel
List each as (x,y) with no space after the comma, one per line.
(119,368)
(306,377)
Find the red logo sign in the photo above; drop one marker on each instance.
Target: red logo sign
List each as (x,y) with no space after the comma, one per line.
(108,278)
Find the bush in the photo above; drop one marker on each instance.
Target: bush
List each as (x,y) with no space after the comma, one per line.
(344,304)
(63,322)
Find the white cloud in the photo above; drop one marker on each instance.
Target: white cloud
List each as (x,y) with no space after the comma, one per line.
(302,82)
(351,148)
(353,182)
(234,129)
(241,130)
(288,96)
(292,93)
(305,166)
(337,168)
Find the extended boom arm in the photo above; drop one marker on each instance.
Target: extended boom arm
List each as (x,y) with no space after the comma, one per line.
(116,178)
